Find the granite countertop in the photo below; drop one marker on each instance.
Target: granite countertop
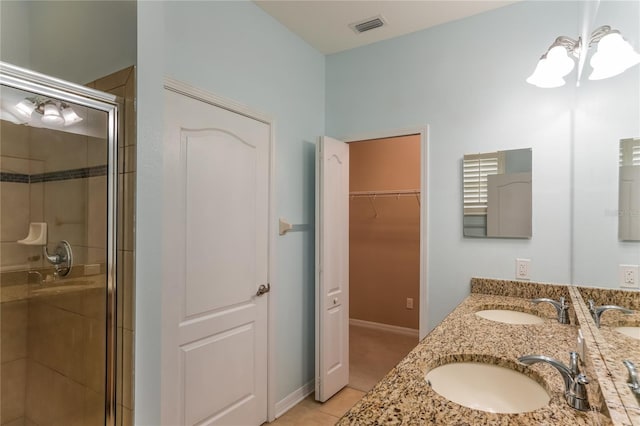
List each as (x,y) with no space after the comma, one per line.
(403,396)
(614,347)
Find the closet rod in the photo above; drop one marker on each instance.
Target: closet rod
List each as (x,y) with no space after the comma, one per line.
(397,193)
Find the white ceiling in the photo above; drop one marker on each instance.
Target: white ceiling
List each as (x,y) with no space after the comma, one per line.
(324,24)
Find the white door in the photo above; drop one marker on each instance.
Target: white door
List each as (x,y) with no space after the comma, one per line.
(509,205)
(332,267)
(629,203)
(215,258)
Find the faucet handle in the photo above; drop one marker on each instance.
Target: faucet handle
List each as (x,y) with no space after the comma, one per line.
(634,382)
(574,364)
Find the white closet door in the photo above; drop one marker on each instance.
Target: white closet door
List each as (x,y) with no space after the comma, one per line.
(214,348)
(332,267)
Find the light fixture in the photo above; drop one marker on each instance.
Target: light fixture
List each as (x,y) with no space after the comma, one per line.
(53,112)
(555,64)
(70,116)
(25,108)
(614,56)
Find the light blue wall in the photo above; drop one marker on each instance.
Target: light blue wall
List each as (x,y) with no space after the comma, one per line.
(235,50)
(78,41)
(466,80)
(607,111)
(15,37)
(149,205)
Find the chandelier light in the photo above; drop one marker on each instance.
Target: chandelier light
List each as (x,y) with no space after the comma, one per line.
(614,55)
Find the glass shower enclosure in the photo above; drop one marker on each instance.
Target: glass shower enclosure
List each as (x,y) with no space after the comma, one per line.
(58,165)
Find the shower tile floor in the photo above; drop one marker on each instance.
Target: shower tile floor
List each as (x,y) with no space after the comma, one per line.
(372,354)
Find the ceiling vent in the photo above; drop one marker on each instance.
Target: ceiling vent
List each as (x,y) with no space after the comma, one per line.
(368,24)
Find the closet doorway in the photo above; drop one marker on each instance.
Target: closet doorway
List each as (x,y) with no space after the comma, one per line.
(384,254)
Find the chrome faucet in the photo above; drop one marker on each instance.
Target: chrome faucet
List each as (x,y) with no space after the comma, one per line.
(597,311)
(561,306)
(634,383)
(575,391)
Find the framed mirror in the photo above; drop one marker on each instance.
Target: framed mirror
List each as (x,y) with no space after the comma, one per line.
(629,190)
(496,189)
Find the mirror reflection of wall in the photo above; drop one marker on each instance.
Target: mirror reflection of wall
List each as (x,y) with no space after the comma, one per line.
(629,190)
(497,194)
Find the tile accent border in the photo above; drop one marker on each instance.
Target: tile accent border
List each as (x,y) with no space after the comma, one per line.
(14,177)
(85,172)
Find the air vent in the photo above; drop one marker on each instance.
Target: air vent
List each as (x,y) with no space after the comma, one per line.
(368,24)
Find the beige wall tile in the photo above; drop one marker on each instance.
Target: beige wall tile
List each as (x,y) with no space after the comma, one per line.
(127,417)
(117,79)
(14,211)
(13,330)
(66,301)
(128,291)
(97,212)
(16,256)
(10,164)
(36,202)
(95,355)
(93,408)
(96,151)
(52,397)
(17,422)
(119,369)
(127,369)
(12,388)
(57,340)
(65,211)
(59,150)
(36,166)
(130,112)
(127,159)
(126,227)
(14,139)
(95,255)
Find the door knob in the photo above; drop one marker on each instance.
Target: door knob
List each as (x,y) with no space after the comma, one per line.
(263,289)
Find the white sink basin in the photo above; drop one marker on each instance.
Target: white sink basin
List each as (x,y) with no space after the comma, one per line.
(510,317)
(487,387)
(633,332)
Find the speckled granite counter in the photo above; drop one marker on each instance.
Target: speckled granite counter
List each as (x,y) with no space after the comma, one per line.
(613,348)
(403,396)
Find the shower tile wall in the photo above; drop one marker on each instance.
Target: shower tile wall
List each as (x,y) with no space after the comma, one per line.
(52,346)
(122,84)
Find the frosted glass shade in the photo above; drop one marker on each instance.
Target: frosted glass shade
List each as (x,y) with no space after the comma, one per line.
(614,56)
(52,114)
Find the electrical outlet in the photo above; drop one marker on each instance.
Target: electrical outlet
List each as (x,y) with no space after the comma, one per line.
(409,303)
(523,269)
(629,276)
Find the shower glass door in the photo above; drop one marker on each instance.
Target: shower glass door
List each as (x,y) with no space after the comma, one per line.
(57,287)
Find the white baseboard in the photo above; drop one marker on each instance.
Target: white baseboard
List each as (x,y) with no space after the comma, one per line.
(384,327)
(289,401)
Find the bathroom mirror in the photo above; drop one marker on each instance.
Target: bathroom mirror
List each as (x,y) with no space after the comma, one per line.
(629,190)
(496,189)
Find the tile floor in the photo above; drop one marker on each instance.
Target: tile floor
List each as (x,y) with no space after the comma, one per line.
(372,354)
(312,413)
